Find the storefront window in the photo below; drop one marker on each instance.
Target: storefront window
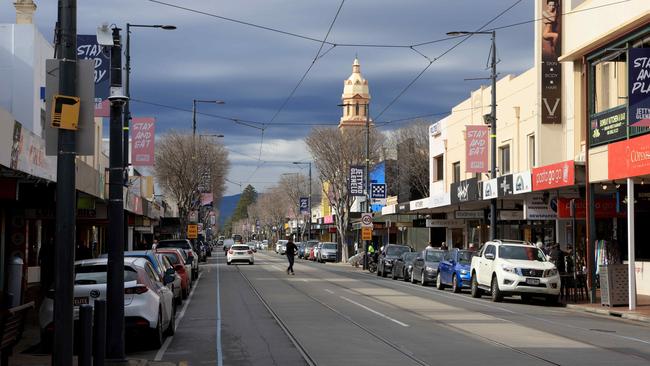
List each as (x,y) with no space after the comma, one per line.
(457,172)
(610,84)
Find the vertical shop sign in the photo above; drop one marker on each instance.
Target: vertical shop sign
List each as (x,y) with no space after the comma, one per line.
(639,87)
(551,48)
(142,140)
(355,185)
(476,149)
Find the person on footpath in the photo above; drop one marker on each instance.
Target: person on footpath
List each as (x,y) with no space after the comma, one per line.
(292,249)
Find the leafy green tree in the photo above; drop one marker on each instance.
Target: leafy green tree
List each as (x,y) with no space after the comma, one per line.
(247,198)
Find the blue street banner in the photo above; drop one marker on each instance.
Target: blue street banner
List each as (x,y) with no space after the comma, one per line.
(639,87)
(356,180)
(88,48)
(378,190)
(304,205)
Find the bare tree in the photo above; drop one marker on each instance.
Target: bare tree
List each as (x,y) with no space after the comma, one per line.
(410,144)
(183,165)
(334,151)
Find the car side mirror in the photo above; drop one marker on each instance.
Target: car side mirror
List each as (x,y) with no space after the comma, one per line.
(168,279)
(170,271)
(489,256)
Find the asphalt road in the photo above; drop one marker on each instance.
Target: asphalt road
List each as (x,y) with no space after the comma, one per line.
(331,315)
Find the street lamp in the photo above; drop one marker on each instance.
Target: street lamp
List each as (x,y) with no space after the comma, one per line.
(127,87)
(194,102)
(493,125)
(309,227)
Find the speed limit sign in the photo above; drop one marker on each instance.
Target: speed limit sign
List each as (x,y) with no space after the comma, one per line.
(366,220)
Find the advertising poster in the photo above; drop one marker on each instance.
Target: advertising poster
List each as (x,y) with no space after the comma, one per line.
(476,149)
(88,48)
(551,36)
(142,141)
(639,87)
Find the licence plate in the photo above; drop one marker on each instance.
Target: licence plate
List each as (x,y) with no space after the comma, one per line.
(239,253)
(80,301)
(532,281)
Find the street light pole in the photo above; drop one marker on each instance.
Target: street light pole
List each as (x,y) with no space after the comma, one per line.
(365,264)
(493,124)
(194,102)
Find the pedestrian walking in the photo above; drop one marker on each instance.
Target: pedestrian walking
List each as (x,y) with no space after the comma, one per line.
(292,249)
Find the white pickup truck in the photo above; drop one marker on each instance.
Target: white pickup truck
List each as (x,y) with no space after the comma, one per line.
(508,267)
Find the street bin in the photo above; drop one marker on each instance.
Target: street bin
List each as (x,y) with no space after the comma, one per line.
(15,279)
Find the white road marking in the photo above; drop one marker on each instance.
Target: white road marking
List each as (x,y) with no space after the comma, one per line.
(375,312)
(329,291)
(219,348)
(168,341)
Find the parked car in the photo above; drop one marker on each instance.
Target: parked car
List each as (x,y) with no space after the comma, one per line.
(316,250)
(208,249)
(312,251)
(309,245)
(506,268)
(240,253)
(281,246)
(455,270)
(327,252)
(265,244)
(425,266)
(388,256)
(148,303)
(184,271)
(252,247)
(403,266)
(200,248)
(189,251)
(301,249)
(168,267)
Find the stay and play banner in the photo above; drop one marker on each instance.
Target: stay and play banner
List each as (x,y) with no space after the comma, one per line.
(639,87)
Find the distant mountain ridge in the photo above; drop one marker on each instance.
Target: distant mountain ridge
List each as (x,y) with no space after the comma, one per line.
(227,207)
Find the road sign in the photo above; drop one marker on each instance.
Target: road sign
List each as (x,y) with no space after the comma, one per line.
(366,233)
(378,190)
(366,220)
(192,231)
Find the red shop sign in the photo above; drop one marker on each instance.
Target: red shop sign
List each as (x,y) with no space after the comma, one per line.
(554,176)
(604,208)
(629,158)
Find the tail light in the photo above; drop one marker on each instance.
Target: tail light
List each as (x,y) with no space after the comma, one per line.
(137,290)
(179,268)
(230,251)
(250,252)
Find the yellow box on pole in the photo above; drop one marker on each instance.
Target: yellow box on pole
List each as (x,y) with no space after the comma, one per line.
(66,112)
(192,231)
(366,233)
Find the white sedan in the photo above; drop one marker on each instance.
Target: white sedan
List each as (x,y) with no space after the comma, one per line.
(148,302)
(240,253)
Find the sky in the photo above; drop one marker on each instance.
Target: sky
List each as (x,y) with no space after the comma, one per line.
(251,54)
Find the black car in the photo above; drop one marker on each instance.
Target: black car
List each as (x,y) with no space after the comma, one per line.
(388,256)
(403,266)
(425,266)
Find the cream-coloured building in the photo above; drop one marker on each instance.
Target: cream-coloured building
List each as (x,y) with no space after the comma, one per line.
(555,125)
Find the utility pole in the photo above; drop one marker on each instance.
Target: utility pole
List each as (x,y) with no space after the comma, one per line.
(66,199)
(115,267)
(365,264)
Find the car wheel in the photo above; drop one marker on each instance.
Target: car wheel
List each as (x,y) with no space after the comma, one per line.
(185,293)
(454,284)
(378,271)
(439,284)
(171,328)
(526,298)
(476,292)
(551,299)
(406,275)
(392,275)
(494,290)
(422,281)
(228,263)
(157,334)
(383,271)
(251,262)
(413,280)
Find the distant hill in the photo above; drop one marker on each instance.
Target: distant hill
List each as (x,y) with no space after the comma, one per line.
(227,207)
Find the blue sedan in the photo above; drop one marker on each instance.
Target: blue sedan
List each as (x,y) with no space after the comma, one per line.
(455,271)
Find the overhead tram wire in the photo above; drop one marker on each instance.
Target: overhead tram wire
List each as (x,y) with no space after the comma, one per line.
(408,86)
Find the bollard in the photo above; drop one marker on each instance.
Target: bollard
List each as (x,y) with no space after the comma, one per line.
(99,336)
(86,334)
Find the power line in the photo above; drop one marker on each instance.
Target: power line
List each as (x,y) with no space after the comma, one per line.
(408,86)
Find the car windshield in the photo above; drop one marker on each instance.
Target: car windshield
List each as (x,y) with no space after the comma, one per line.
(329,246)
(173,258)
(434,256)
(95,275)
(240,247)
(465,257)
(409,256)
(396,251)
(174,244)
(528,253)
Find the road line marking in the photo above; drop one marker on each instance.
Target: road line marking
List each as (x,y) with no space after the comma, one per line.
(329,291)
(219,348)
(375,312)
(168,341)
